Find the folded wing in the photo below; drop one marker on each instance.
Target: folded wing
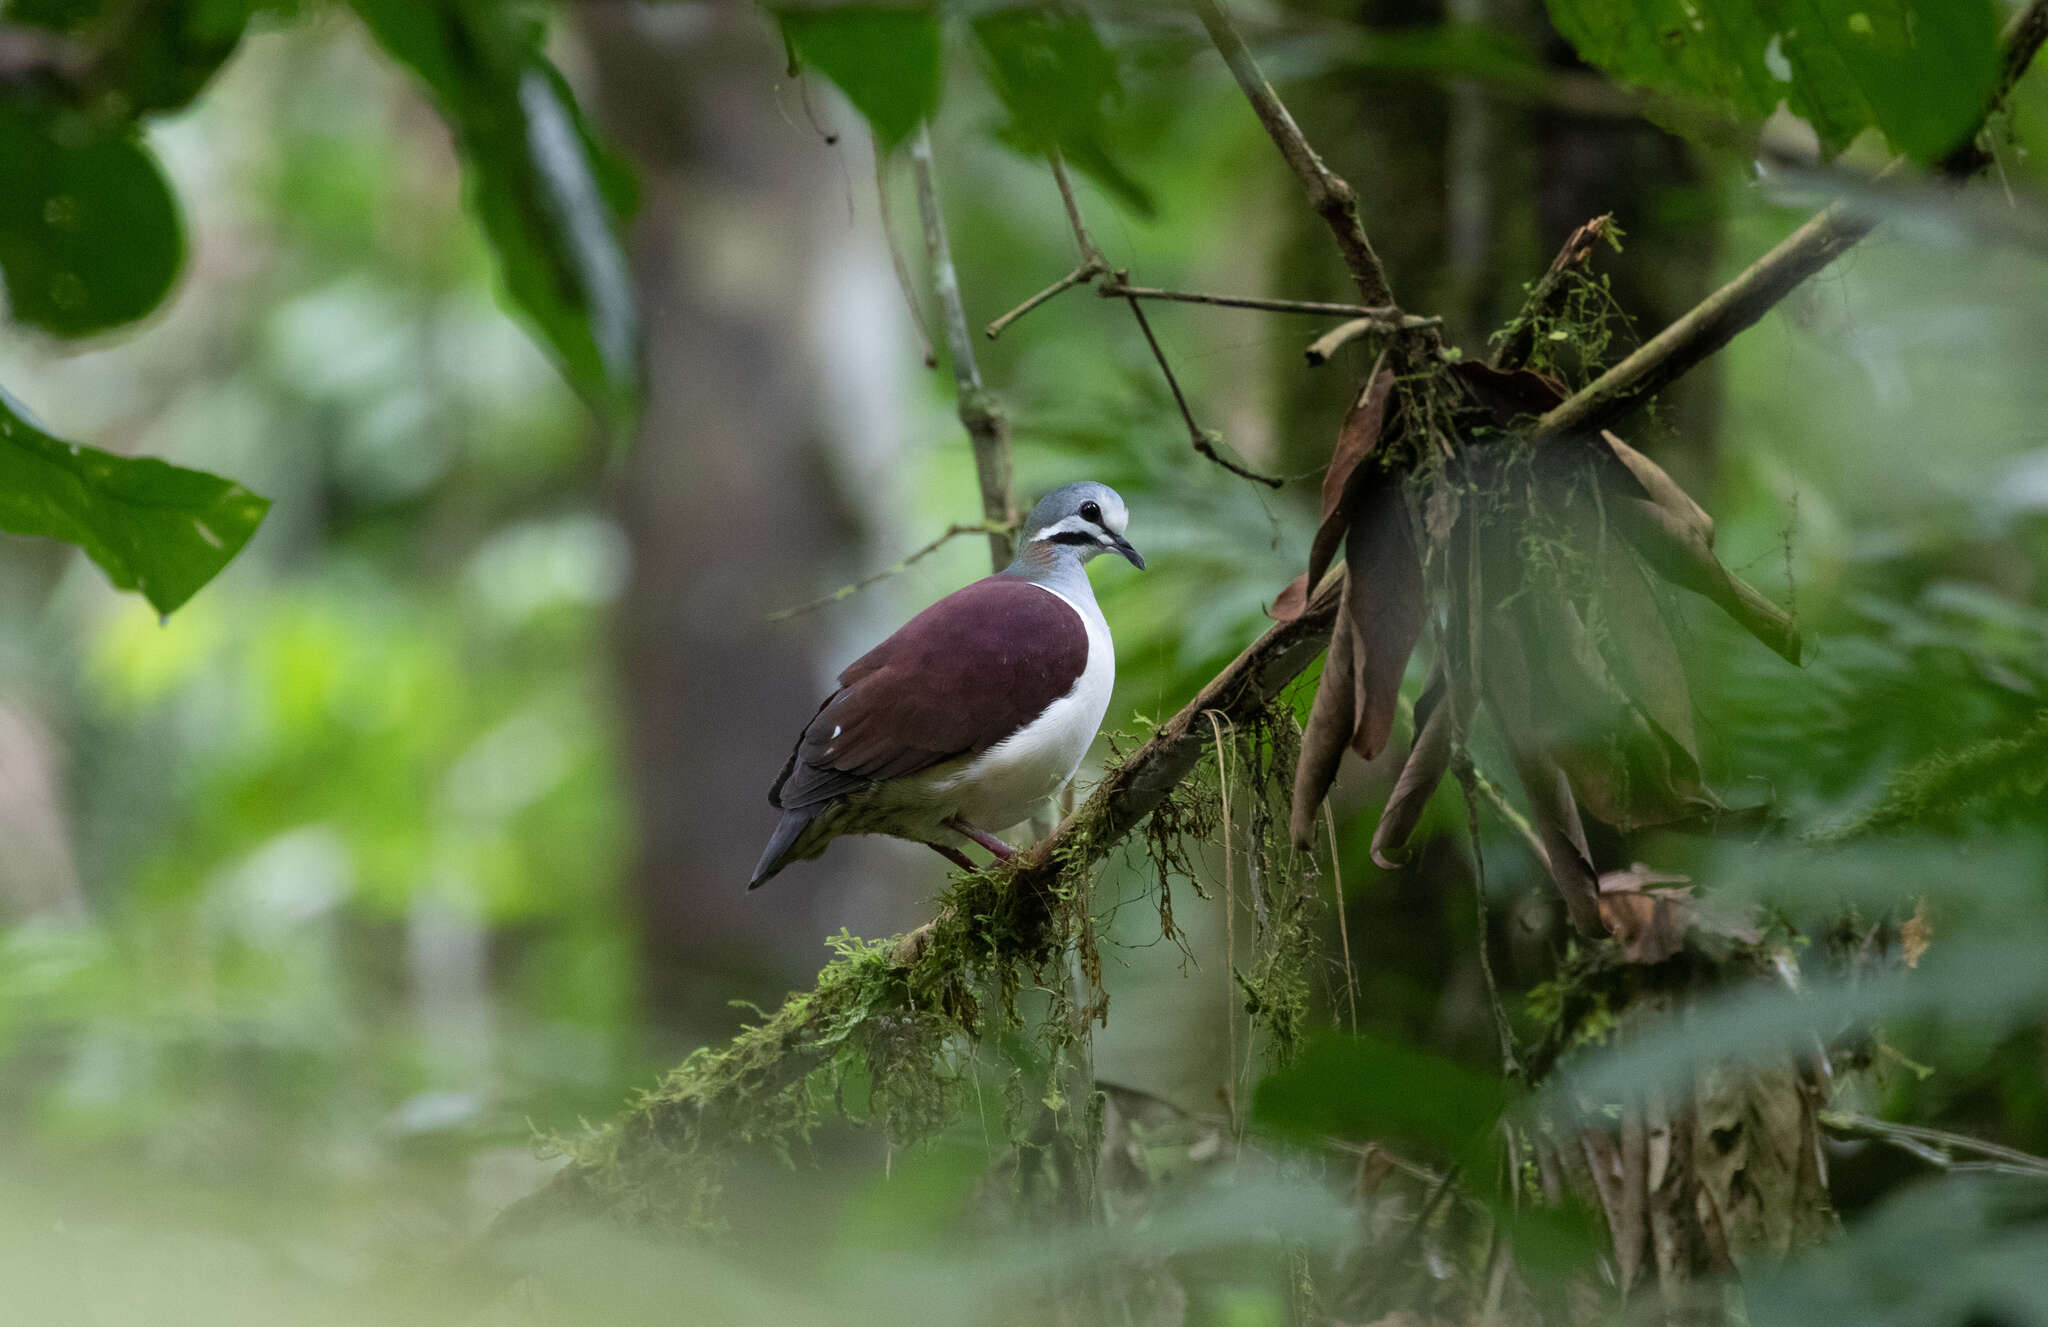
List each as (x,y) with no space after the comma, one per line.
(956,679)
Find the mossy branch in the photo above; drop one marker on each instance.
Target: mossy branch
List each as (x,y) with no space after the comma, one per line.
(887,1009)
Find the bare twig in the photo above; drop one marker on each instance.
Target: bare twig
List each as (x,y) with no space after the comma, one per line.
(896,568)
(924,337)
(1710,324)
(986,426)
(1519,338)
(1715,320)
(1078,277)
(1204,441)
(1937,1147)
(1327,192)
(1091,255)
(1093,264)
(1388,318)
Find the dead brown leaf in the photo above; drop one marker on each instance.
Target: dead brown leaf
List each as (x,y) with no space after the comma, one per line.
(1661,488)
(1916,934)
(1509,394)
(1331,721)
(1675,550)
(1384,600)
(1650,923)
(1428,757)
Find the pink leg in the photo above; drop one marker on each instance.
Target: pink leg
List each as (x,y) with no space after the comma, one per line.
(1003,851)
(954,855)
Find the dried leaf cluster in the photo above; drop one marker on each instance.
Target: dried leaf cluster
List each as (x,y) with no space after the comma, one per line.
(1542,566)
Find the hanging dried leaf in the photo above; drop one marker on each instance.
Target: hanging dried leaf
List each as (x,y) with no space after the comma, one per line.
(1661,488)
(1348,480)
(1330,725)
(1676,551)
(1509,394)
(1564,836)
(1383,598)
(1638,646)
(1651,923)
(1428,758)
(1292,601)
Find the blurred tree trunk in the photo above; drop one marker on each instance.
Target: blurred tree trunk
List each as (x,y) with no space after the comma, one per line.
(724,496)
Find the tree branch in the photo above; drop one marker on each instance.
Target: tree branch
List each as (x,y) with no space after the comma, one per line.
(987,428)
(1328,193)
(1385,318)
(1012,912)
(1203,440)
(1739,304)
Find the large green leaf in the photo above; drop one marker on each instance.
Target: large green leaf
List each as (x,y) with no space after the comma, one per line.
(153,527)
(1920,70)
(89,230)
(886,60)
(548,197)
(166,50)
(1058,81)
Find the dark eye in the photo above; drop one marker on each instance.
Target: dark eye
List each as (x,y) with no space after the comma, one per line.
(1091,512)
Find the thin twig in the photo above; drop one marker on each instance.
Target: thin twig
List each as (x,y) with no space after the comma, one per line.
(1203,440)
(1093,264)
(986,426)
(1343,926)
(1091,254)
(1937,1147)
(1230,1096)
(1505,809)
(1386,317)
(896,568)
(1080,276)
(1715,320)
(1511,1065)
(924,336)
(1327,192)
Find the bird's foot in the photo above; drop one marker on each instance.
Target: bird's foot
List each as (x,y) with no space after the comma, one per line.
(954,855)
(1003,851)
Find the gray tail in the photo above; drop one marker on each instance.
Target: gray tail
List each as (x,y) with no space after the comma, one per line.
(781,845)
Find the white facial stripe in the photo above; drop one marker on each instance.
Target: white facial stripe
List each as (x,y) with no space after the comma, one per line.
(1071,525)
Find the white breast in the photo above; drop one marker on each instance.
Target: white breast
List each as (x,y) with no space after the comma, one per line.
(1007,783)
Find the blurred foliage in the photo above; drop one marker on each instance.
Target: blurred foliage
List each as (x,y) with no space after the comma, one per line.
(350,831)
(151,527)
(1919,71)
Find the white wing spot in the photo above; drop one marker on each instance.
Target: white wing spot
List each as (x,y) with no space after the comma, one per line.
(835,730)
(204,533)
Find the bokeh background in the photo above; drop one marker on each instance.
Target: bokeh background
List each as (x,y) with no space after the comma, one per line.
(424,829)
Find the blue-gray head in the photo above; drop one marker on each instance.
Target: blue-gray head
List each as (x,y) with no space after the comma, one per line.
(1079,520)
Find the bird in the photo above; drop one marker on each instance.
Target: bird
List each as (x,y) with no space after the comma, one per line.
(975,712)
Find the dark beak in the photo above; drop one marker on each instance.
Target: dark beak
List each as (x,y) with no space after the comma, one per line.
(1123,546)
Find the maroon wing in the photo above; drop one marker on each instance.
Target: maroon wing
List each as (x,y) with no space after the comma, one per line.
(956,679)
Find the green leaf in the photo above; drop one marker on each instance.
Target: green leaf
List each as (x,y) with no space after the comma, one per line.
(1356,1087)
(548,197)
(153,527)
(886,61)
(166,51)
(89,231)
(1057,80)
(1922,71)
